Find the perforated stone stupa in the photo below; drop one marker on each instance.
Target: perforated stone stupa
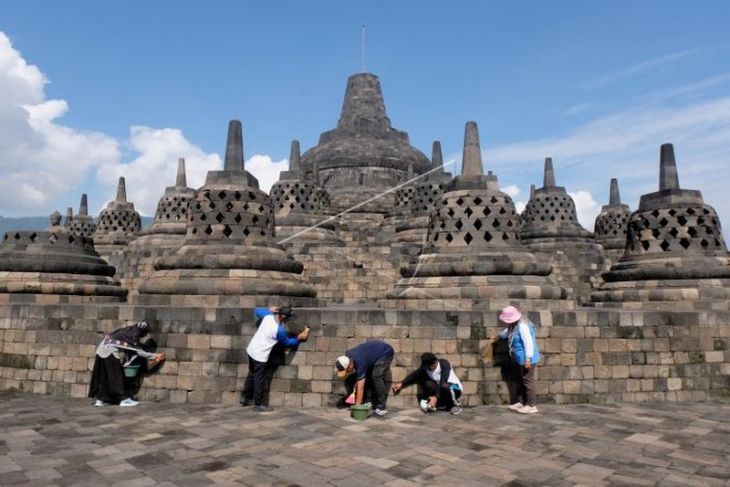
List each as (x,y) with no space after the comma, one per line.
(82,224)
(611,224)
(364,155)
(229,255)
(166,232)
(56,262)
(419,199)
(117,225)
(473,255)
(300,206)
(675,252)
(550,228)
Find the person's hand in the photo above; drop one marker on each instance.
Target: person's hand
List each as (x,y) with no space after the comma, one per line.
(397,387)
(302,337)
(159,357)
(274,309)
(528,364)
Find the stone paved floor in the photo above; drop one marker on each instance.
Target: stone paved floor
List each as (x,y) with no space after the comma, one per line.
(62,441)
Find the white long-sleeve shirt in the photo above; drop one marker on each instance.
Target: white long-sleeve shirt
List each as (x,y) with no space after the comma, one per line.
(268,333)
(435,375)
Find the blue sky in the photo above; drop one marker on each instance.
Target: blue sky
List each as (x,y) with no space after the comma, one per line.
(125,88)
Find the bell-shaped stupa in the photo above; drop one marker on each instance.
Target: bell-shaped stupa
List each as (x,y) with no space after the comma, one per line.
(164,234)
(364,156)
(611,224)
(675,256)
(301,207)
(420,199)
(56,262)
(550,228)
(82,224)
(118,224)
(229,255)
(473,256)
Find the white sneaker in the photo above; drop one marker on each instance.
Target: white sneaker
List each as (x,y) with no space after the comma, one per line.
(516,406)
(380,412)
(100,403)
(527,410)
(128,402)
(456,409)
(423,405)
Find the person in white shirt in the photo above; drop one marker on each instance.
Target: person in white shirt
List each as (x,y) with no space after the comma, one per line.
(270,332)
(438,385)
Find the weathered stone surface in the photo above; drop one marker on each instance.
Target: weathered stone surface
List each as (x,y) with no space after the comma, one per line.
(82,224)
(550,228)
(473,249)
(675,252)
(166,232)
(612,223)
(118,224)
(364,155)
(54,261)
(229,246)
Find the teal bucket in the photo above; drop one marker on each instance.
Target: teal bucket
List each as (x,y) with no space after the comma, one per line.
(359,412)
(131,370)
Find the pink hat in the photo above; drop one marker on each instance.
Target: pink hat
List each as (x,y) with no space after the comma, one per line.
(510,314)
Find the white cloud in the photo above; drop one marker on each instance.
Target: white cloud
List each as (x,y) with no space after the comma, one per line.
(511,190)
(639,68)
(266,170)
(586,207)
(626,145)
(578,109)
(155,166)
(39,158)
(43,162)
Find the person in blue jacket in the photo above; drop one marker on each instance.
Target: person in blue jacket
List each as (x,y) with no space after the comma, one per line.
(271,331)
(520,334)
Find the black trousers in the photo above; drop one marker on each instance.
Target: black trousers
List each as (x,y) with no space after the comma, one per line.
(378,377)
(444,399)
(255,386)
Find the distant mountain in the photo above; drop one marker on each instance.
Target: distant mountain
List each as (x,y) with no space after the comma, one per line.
(39,223)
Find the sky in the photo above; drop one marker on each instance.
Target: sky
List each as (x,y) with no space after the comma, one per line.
(90,91)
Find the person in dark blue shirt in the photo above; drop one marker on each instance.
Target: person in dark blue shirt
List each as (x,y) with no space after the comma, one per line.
(368,361)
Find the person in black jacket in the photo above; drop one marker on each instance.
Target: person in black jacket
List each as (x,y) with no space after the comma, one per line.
(118,348)
(438,386)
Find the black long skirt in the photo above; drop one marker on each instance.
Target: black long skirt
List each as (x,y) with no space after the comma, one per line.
(107,380)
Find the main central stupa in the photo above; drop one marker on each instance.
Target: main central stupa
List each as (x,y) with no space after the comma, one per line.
(364,155)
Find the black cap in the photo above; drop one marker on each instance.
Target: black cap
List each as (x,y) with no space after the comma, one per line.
(427,359)
(286,312)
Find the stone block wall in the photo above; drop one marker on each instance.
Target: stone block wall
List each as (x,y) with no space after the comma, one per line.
(590,355)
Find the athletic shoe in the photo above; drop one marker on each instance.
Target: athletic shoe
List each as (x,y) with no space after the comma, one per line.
(516,406)
(263,408)
(245,402)
(527,410)
(423,405)
(456,409)
(100,403)
(129,402)
(380,412)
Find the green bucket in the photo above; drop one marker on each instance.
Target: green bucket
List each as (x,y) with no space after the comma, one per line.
(359,411)
(131,370)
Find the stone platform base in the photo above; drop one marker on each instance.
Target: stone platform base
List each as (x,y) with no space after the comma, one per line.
(590,355)
(679,294)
